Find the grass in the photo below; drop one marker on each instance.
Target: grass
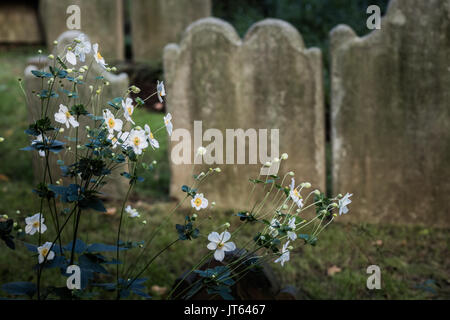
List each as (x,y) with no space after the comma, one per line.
(414,260)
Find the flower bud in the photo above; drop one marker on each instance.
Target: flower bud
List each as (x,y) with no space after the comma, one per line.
(18,212)
(15,224)
(108,69)
(5,216)
(20,230)
(2,139)
(306,185)
(218,170)
(51,57)
(284,156)
(141,245)
(98,91)
(317,192)
(213,204)
(334,215)
(268,164)
(69,48)
(276,160)
(55,42)
(340,195)
(114,69)
(334,204)
(107,83)
(194,216)
(227,225)
(291,173)
(290,248)
(323,211)
(144,222)
(135,89)
(39,51)
(81,70)
(285,206)
(262,238)
(154,162)
(69,70)
(91,88)
(77,40)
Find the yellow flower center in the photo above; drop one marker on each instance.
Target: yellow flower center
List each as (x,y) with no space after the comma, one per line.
(68,115)
(297,194)
(166,122)
(198,202)
(130,111)
(111,122)
(151,135)
(114,140)
(36,224)
(220,245)
(44,252)
(99,56)
(136,141)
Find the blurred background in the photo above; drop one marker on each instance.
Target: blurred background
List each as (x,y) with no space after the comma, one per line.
(413,256)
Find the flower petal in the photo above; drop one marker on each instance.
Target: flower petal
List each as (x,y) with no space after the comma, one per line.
(225,236)
(214,237)
(229,246)
(212,246)
(219,254)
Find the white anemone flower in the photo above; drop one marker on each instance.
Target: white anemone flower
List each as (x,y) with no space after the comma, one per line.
(218,242)
(44,251)
(295,195)
(65,117)
(35,224)
(132,213)
(111,122)
(98,57)
(115,139)
(137,140)
(284,254)
(39,139)
(128,109)
(83,47)
(291,234)
(71,57)
(161,90)
(199,202)
(168,123)
(274,224)
(153,142)
(344,202)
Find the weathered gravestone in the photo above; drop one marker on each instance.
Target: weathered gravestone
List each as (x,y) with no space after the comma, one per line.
(267,81)
(19,23)
(390,115)
(118,84)
(102,20)
(156,23)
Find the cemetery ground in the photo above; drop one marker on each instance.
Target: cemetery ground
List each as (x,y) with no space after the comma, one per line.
(414,260)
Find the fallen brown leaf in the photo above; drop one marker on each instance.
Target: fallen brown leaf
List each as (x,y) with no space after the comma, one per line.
(3,178)
(159,290)
(378,243)
(333,270)
(111,211)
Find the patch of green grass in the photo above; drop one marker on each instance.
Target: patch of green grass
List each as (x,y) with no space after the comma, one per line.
(156,183)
